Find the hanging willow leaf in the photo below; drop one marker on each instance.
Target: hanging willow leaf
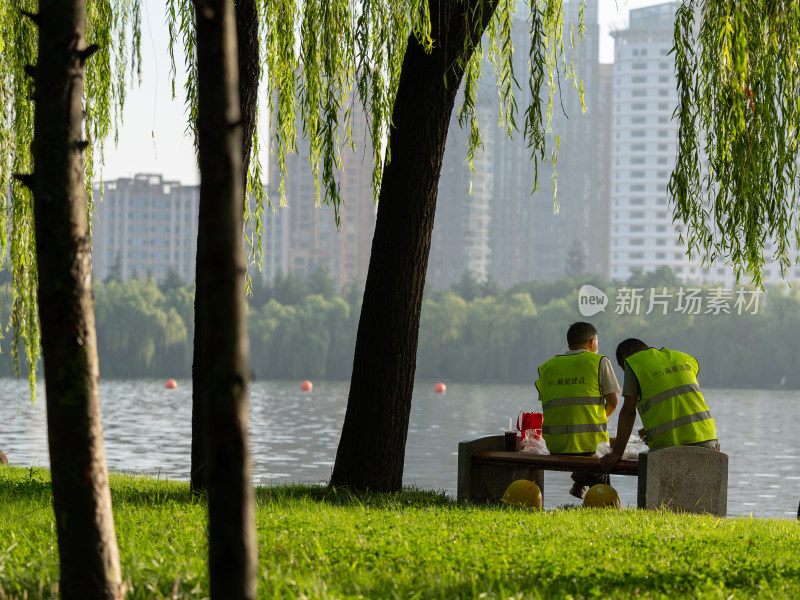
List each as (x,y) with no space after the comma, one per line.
(322,55)
(110,25)
(735,182)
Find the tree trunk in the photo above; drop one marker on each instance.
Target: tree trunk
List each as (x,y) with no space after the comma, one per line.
(231,522)
(249,76)
(87,544)
(371,450)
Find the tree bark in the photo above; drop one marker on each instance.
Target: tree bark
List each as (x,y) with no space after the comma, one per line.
(231,522)
(249,76)
(371,450)
(87,544)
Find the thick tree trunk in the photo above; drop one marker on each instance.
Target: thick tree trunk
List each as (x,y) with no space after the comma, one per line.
(371,451)
(249,76)
(87,545)
(231,522)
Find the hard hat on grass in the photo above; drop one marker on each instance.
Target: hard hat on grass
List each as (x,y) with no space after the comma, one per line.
(523,493)
(600,496)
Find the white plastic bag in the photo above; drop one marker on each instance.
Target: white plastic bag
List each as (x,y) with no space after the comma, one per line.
(632,449)
(533,443)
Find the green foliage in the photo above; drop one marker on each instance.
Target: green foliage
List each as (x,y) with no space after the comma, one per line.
(114,26)
(321,542)
(735,180)
(471,333)
(138,331)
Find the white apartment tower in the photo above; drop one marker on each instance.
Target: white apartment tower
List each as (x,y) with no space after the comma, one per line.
(643,147)
(145,225)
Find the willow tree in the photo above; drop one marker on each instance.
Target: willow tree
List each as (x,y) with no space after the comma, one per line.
(735,184)
(181,19)
(395,59)
(231,521)
(45,49)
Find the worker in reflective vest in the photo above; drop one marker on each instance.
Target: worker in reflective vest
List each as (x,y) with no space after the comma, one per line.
(662,386)
(578,391)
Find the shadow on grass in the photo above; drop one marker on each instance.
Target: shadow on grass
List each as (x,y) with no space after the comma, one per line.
(343,496)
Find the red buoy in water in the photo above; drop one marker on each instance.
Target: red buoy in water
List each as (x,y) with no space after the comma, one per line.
(306,386)
(440,388)
(171,384)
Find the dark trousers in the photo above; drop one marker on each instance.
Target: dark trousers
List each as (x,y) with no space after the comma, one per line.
(586,478)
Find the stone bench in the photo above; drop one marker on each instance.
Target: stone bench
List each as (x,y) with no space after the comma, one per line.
(683,478)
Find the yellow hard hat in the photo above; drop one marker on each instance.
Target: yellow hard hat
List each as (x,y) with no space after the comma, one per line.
(601,495)
(523,493)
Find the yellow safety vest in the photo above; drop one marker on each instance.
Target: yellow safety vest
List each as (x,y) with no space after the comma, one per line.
(574,415)
(673,410)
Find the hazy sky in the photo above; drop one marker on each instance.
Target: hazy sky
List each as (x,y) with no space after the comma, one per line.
(152,138)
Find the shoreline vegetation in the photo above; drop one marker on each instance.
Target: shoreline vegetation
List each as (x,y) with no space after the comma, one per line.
(320,542)
(471,333)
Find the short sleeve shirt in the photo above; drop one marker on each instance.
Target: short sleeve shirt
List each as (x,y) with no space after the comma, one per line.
(607,378)
(630,385)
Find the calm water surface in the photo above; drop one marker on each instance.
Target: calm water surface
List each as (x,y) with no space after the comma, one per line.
(294,435)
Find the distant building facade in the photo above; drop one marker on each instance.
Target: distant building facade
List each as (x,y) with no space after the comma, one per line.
(144,225)
(644,145)
(303,235)
(500,229)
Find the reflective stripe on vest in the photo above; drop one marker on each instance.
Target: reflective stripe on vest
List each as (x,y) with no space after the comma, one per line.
(577,401)
(671,406)
(574,416)
(599,427)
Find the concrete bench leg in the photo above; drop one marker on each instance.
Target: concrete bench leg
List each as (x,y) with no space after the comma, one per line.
(684,479)
(488,483)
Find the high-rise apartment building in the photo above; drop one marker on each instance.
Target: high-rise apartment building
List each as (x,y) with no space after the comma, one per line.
(515,234)
(145,225)
(304,235)
(643,147)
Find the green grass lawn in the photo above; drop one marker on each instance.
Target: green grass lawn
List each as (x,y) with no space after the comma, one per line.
(322,543)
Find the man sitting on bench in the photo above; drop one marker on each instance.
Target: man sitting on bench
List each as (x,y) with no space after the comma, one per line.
(578,391)
(662,385)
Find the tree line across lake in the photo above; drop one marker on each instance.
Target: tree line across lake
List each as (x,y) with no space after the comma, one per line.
(472,332)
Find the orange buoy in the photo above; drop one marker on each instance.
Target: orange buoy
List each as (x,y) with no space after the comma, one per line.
(171,384)
(306,386)
(440,388)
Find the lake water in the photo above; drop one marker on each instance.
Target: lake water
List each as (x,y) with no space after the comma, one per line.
(294,435)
